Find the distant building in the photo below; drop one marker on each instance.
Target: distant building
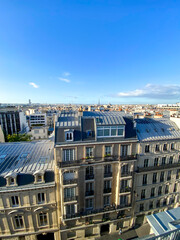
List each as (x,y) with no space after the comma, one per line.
(37,119)
(38,132)
(1,135)
(13,122)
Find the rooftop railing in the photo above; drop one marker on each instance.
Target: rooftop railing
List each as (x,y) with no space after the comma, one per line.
(159,167)
(70,181)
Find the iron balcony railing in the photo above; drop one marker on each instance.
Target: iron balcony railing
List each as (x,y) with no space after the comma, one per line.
(107,190)
(125,189)
(69,199)
(96,159)
(106,175)
(89,193)
(70,181)
(89,176)
(159,167)
(96,211)
(126,174)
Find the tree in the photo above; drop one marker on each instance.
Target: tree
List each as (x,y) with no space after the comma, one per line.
(18,137)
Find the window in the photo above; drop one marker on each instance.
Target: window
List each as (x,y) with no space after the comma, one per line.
(141,207)
(157,148)
(151,205)
(143,194)
(169,175)
(165,147)
(108,150)
(163,160)
(124,169)
(156,162)
(41,198)
(154,178)
(69,194)
(89,189)
(70,209)
(36,131)
(69,136)
(15,201)
(107,186)
(89,203)
(123,200)
(144,179)
(68,155)
(90,171)
(39,178)
(115,131)
(107,169)
(159,190)
(171,160)
(152,192)
(177,173)
(43,219)
(146,148)
(172,146)
(167,189)
(175,187)
(11,181)
(158,203)
(162,177)
(89,152)
(89,133)
(164,202)
(146,162)
(18,219)
(106,201)
(124,150)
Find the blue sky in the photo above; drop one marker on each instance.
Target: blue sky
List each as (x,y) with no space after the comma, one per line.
(80,51)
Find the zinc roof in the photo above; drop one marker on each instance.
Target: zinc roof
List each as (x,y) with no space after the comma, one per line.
(26,157)
(106,118)
(68,119)
(156,129)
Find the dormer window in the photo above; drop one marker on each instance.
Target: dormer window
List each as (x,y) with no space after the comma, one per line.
(11,181)
(39,178)
(69,135)
(89,133)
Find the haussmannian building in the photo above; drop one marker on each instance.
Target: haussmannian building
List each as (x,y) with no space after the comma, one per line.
(95,155)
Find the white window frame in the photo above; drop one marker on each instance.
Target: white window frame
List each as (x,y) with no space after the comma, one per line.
(110,129)
(89,203)
(65,154)
(108,150)
(89,152)
(69,136)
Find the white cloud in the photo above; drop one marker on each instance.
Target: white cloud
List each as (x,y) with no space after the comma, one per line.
(64,80)
(33,85)
(66,74)
(154,91)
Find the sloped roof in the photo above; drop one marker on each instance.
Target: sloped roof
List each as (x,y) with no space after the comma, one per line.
(156,129)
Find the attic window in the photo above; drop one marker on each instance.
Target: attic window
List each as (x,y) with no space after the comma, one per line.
(147,130)
(39,178)
(155,130)
(89,133)
(11,181)
(98,120)
(162,129)
(69,136)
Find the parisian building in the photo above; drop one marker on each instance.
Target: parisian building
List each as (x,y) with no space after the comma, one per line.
(95,155)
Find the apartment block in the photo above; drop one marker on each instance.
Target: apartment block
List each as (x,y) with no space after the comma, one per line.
(27,191)
(157,170)
(95,155)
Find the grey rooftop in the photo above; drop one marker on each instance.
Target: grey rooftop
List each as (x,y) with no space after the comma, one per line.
(156,129)
(26,157)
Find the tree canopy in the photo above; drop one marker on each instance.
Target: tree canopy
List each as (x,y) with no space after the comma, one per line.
(18,137)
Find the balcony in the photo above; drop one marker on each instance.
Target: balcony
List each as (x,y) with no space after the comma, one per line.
(125,189)
(69,199)
(159,167)
(70,181)
(107,190)
(106,209)
(89,193)
(106,175)
(89,177)
(128,157)
(126,174)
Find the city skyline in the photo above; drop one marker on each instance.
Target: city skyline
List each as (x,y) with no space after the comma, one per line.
(121,52)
